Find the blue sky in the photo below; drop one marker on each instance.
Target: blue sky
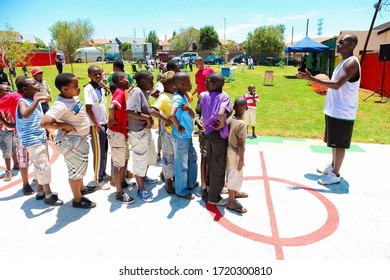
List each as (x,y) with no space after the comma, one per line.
(231,18)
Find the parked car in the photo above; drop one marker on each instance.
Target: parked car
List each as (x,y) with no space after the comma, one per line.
(238,58)
(214,59)
(165,56)
(186,55)
(88,54)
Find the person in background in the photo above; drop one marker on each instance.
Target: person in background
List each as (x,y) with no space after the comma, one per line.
(59,62)
(4,77)
(250,116)
(37,74)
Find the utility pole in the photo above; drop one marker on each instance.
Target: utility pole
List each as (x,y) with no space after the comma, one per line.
(224,30)
(319,28)
(307,26)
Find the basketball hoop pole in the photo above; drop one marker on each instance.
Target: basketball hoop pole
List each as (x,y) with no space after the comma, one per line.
(382,89)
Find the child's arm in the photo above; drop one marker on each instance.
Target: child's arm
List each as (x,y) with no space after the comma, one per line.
(174,119)
(154,112)
(88,109)
(50,123)
(221,119)
(186,108)
(6,124)
(111,116)
(26,111)
(241,152)
(142,117)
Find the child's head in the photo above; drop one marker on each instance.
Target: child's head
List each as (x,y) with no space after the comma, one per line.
(167,81)
(67,84)
(4,89)
(27,86)
(120,80)
(37,73)
(118,65)
(215,82)
(95,73)
(182,82)
(252,89)
(173,65)
(240,106)
(144,79)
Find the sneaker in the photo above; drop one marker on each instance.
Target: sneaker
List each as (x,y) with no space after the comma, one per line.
(40,195)
(326,170)
(224,190)
(148,180)
(124,198)
(145,195)
(84,203)
(88,190)
(128,184)
(27,189)
(329,179)
(103,185)
(8,176)
(53,200)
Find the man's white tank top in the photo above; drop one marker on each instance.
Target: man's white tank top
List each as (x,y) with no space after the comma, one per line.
(343,103)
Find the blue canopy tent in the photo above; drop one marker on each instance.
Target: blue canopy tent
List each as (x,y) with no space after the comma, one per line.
(307,45)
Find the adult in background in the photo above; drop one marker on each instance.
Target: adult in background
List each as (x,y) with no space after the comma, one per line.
(59,63)
(201,75)
(340,106)
(3,77)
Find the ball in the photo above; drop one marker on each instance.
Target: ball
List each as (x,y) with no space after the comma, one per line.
(319,88)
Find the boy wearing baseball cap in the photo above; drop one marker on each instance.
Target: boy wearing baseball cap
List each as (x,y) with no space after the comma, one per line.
(37,74)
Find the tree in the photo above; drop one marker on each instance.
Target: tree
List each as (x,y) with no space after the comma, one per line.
(125,46)
(69,36)
(267,41)
(152,38)
(13,50)
(40,43)
(208,38)
(103,50)
(186,40)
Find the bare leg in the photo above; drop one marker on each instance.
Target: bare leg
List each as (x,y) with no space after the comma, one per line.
(338,158)
(203,171)
(24,174)
(76,186)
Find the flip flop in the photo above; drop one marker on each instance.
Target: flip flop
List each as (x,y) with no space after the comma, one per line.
(238,209)
(241,195)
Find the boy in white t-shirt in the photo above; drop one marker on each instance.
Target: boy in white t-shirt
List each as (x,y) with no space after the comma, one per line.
(95,105)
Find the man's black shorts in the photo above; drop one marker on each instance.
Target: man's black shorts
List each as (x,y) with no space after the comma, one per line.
(338,133)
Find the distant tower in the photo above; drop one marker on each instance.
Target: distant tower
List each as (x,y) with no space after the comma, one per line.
(135,33)
(319,28)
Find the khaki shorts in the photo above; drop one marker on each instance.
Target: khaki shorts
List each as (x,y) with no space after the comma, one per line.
(143,151)
(250,117)
(234,177)
(39,156)
(119,148)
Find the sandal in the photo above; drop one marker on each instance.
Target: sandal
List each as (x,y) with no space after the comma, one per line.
(238,209)
(241,195)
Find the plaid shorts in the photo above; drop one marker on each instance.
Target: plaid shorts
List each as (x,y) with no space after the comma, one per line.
(21,153)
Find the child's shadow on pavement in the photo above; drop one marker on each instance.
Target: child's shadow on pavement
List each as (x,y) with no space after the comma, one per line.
(67,214)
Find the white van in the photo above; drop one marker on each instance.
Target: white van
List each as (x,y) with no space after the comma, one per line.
(89,54)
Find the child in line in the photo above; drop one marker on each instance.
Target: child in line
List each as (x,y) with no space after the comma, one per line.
(185,157)
(33,137)
(250,115)
(45,90)
(235,155)
(117,135)
(139,123)
(215,105)
(161,109)
(66,115)
(95,105)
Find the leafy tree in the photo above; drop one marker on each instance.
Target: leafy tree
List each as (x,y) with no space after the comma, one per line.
(266,41)
(40,43)
(152,38)
(208,38)
(13,51)
(125,46)
(103,50)
(70,35)
(187,39)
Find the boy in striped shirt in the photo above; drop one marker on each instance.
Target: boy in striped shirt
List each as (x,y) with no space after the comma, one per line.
(250,115)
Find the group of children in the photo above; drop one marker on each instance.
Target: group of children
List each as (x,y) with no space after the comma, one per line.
(129,123)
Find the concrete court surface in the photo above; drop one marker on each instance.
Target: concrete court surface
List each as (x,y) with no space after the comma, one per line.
(340,230)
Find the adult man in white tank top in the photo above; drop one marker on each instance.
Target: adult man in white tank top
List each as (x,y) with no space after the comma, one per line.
(340,106)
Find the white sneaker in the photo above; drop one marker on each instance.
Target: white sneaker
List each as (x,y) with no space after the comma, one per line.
(103,185)
(326,170)
(329,179)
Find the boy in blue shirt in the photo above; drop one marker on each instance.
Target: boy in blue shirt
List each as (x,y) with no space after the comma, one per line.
(185,159)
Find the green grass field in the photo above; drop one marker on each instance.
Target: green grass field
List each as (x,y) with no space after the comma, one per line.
(289,108)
